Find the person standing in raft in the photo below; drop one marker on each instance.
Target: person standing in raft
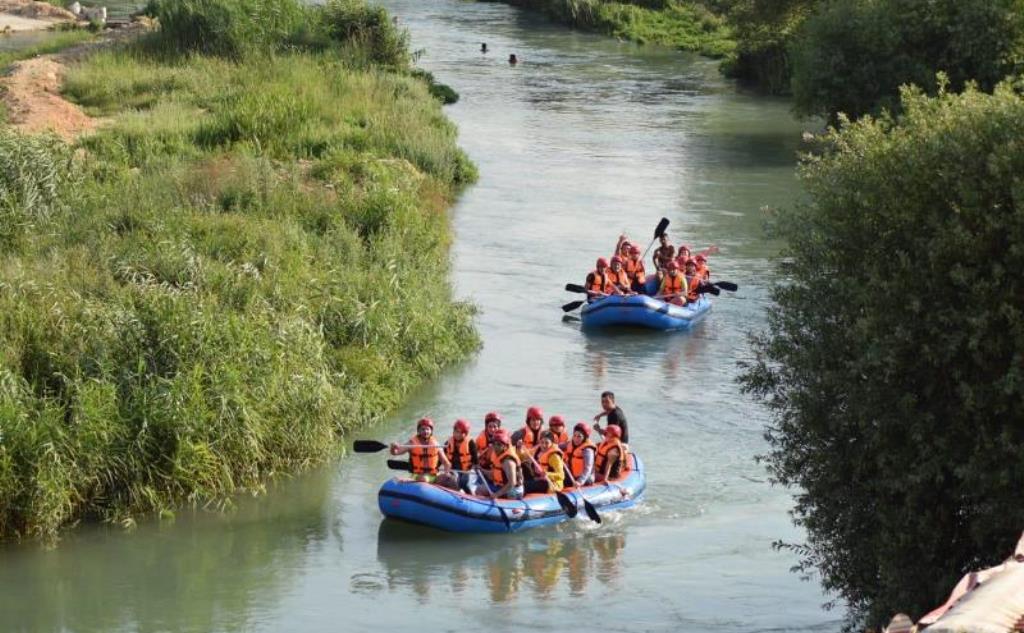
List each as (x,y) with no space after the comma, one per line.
(425,455)
(528,437)
(548,458)
(579,455)
(673,285)
(635,270)
(618,278)
(598,281)
(557,427)
(461,451)
(664,253)
(513,60)
(615,416)
(612,458)
(506,472)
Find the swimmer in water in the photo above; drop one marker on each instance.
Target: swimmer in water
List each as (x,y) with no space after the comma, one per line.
(483,47)
(512,59)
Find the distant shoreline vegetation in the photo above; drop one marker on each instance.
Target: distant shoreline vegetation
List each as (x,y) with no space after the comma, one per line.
(246,261)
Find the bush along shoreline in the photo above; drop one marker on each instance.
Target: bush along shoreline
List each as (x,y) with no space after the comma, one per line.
(688,26)
(247,261)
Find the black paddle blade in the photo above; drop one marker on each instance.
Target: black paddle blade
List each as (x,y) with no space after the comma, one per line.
(399,464)
(591,511)
(368,446)
(575,288)
(727,285)
(660,229)
(572,305)
(567,504)
(708,288)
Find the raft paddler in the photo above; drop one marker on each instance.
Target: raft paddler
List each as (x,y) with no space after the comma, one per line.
(612,458)
(579,455)
(618,277)
(634,267)
(556,424)
(693,282)
(614,414)
(623,246)
(703,272)
(598,281)
(528,437)
(664,253)
(548,458)
(506,471)
(425,454)
(461,451)
(672,288)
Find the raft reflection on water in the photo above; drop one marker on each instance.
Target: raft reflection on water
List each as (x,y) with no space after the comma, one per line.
(547,566)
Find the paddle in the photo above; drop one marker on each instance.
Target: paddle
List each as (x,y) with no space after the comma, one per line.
(399,464)
(567,505)
(504,517)
(572,305)
(373,446)
(587,506)
(726,285)
(658,232)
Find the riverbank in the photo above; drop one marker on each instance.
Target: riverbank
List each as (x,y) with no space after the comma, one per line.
(687,26)
(219,282)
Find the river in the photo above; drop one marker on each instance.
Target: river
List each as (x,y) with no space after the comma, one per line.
(586,138)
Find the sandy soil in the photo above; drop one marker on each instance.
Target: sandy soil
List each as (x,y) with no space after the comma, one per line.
(33,9)
(31,94)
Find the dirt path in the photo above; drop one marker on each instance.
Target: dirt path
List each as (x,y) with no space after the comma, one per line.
(31,94)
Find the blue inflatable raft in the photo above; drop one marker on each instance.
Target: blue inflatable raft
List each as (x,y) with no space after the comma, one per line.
(455,511)
(643,311)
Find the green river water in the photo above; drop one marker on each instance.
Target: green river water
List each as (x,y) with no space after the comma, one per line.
(586,138)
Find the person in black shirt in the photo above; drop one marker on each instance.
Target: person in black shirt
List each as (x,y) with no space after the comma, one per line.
(615,416)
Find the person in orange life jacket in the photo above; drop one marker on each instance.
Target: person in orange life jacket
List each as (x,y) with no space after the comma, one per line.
(622,246)
(619,278)
(556,424)
(693,282)
(615,416)
(682,254)
(461,451)
(506,471)
(673,285)
(664,253)
(492,422)
(598,281)
(529,436)
(611,459)
(548,457)
(702,267)
(634,267)
(426,454)
(579,455)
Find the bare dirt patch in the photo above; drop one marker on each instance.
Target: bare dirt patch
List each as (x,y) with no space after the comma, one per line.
(38,10)
(31,94)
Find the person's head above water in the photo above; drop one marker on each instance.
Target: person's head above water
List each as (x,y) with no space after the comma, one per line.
(512,59)
(483,47)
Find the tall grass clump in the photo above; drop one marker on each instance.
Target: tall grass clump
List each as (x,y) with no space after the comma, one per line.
(35,174)
(233,28)
(225,280)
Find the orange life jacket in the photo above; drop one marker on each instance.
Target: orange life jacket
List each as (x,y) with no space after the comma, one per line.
(671,285)
(598,282)
(498,472)
(691,291)
(560,438)
(425,458)
(635,269)
(619,279)
(620,464)
(574,457)
(703,272)
(531,438)
(483,458)
(458,454)
(555,476)
(482,441)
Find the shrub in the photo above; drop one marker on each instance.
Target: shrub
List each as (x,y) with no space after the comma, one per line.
(232,28)
(894,360)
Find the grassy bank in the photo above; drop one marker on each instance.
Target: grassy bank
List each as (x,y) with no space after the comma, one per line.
(250,259)
(51,43)
(677,23)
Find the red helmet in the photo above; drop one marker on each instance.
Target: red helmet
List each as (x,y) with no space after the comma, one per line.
(583,428)
(672,266)
(634,249)
(602,263)
(556,420)
(613,430)
(462,425)
(534,412)
(616,260)
(492,416)
(427,422)
(502,436)
(701,258)
(689,262)
(684,247)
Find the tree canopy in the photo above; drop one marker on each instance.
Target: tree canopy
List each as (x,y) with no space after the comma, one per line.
(893,363)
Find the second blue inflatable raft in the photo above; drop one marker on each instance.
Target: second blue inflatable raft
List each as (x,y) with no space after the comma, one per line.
(455,511)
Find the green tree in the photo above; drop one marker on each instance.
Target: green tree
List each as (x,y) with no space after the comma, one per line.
(764,31)
(852,57)
(893,363)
